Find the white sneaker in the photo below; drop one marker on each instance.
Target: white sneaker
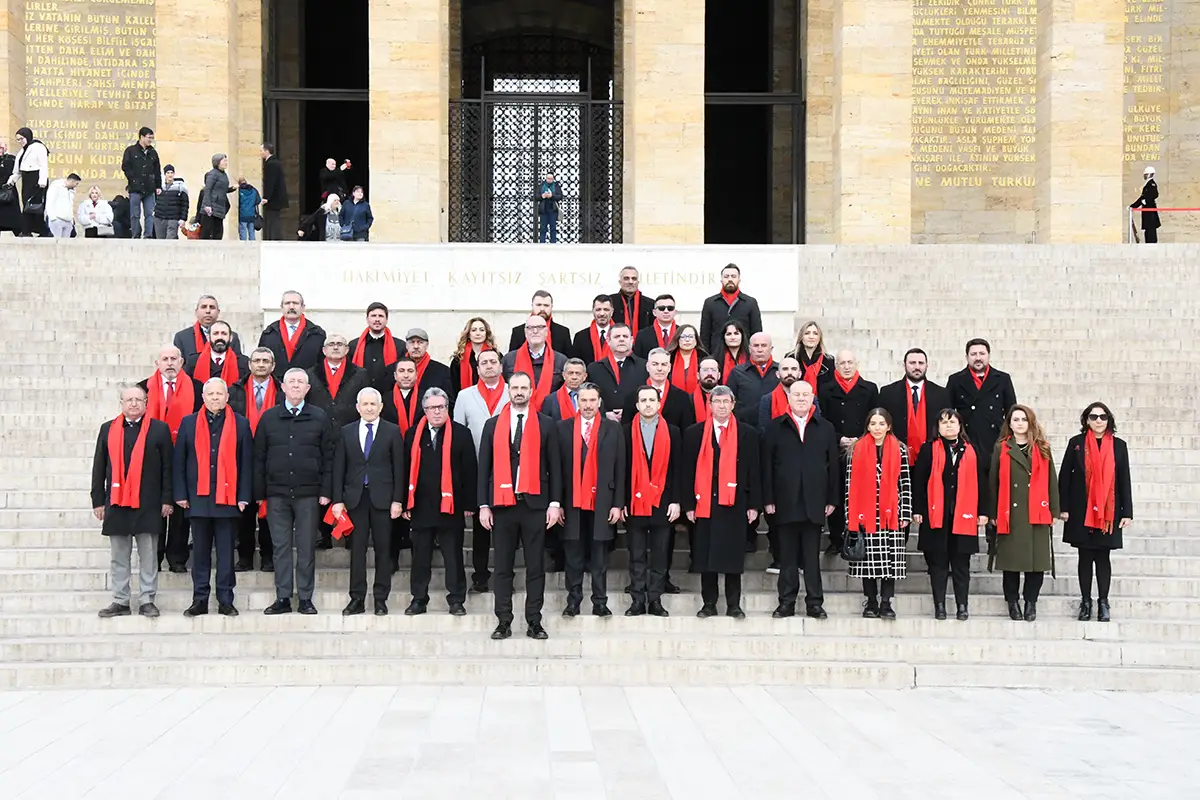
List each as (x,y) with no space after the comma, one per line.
(773,569)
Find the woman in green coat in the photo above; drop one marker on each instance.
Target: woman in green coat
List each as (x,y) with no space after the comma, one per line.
(1024,493)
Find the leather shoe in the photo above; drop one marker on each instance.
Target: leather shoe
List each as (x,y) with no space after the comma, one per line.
(381,609)
(503,631)
(1014,611)
(735,612)
(278,607)
(414,608)
(1085,610)
(243,566)
(871,609)
(635,610)
(962,615)
(572,610)
(479,588)
(150,610)
(457,610)
(114,610)
(706,611)
(196,609)
(939,610)
(1103,614)
(832,549)
(307,607)
(355,606)
(600,610)
(227,609)
(1030,611)
(267,565)
(886,611)
(671,588)
(784,611)
(536,631)
(179,569)
(817,612)
(656,609)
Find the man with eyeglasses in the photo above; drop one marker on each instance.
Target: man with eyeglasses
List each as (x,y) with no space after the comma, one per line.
(533,357)
(661,332)
(336,382)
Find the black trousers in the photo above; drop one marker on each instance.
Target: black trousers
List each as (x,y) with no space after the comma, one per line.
(450,541)
(207,531)
(733,589)
(212,227)
(525,527)
(400,539)
(173,538)
(481,545)
(800,543)
(958,567)
(1033,586)
(272,225)
(371,526)
(587,553)
(555,549)
(1150,235)
(649,554)
(1100,558)
(883,588)
(250,523)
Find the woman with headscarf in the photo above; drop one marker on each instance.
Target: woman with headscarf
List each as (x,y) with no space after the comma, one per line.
(32,174)
(324,224)
(10,210)
(216,199)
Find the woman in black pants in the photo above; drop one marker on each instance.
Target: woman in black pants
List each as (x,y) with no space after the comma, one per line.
(1097,502)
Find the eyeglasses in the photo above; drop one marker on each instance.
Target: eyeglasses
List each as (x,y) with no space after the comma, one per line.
(336,344)
(1098,417)
(687,336)
(664,308)
(439,407)
(535,327)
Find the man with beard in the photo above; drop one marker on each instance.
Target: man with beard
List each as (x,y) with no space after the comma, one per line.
(620,373)
(336,382)
(914,403)
(709,377)
(216,359)
(294,339)
(845,402)
(630,306)
(982,396)
(728,304)
(190,341)
(376,350)
(660,333)
(558,335)
(674,406)
(255,395)
(564,404)
(591,343)
(774,404)
(534,356)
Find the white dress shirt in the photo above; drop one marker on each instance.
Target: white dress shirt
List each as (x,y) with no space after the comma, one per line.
(362,433)
(801,424)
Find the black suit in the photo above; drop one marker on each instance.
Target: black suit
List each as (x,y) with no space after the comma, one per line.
(613,393)
(896,398)
(581,346)
(560,338)
(645,310)
(983,409)
(522,524)
(215,370)
(586,534)
(380,372)
(175,530)
(185,340)
(156,486)
(343,409)
(716,312)
(307,352)
(847,412)
(647,339)
(367,486)
(251,522)
(650,536)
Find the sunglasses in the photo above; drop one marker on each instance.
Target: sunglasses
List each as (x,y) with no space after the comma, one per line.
(664,308)
(1098,417)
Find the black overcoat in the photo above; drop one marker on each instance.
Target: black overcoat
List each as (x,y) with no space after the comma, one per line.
(343,409)
(940,543)
(156,487)
(800,478)
(610,477)
(982,409)
(847,412)
(1072,492)
(464,478)
(719,542)
(307,353)
(186,474)
(613,393)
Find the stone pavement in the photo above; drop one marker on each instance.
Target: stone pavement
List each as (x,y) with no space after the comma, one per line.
(571,743)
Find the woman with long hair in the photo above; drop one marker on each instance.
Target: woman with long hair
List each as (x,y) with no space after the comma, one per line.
(476,337)
(686,354)
(95,215)
(879,506)
(815,365)
(1024,502)
(1097,497)
(734,349)
(949,495)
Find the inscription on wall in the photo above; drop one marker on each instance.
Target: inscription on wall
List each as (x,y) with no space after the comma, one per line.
(90,83)
(1147,96)
(974,120)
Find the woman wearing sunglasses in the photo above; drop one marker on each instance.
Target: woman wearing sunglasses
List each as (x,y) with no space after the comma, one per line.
(1097,502)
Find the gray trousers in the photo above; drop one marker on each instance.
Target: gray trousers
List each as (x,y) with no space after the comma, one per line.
(294,524)
(121,548)
(166,228)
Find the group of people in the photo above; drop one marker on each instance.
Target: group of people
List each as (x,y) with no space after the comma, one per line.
(637,421)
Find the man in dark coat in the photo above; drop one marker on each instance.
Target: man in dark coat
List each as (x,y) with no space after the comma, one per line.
(542,305)
(728,304)
(369,484)
(531,356)
(845,402)
(131,503)
(430,373)
(435,515)
(564,403)
(376,350)
(630,306)
(591,342)
(251,398)
(619,375)
(648,521)
(982,396)
(1148,200)
(588,532)
(751,381)
(143,179)
(675,405)
(191,340)
(336,382)
(660,332)
(915,394)
(213,498)
(295,340)
(274,194)
(217,360)
(719,539)
(800,485)
(518,508)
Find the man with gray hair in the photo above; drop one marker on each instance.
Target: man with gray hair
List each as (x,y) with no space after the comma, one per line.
(191,340)
(293,474)
(295,340)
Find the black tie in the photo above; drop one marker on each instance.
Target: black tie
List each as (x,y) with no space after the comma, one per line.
(603,338)
(516,444)
(295,411)
(916,397)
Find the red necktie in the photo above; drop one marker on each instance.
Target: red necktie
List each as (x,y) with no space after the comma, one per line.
(170,391)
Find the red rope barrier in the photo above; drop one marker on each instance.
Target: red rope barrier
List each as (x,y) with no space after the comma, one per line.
(1164,209)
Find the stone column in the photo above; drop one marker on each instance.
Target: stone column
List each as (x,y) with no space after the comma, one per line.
(663,89)
(818,122)
(409,127)
(1079,122)
(12,68)
(872,121)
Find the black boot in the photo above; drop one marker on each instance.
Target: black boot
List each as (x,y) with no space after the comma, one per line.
(871,609)
(1030,610)
(939,610)
(1085,609)
(1102,612)
(962,615)
(1014,610)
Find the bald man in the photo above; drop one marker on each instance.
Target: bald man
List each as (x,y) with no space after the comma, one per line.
(845,402)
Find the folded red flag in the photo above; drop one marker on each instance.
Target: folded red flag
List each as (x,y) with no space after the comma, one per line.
(262,510)
(341,527)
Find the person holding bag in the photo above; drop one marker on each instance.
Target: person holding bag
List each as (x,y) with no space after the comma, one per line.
(95,215)
(33,173)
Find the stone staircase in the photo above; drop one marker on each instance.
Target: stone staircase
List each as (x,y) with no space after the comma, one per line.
(1072,324)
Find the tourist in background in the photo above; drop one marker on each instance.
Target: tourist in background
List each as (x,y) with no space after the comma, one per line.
(816,365)
(33,176)
(727,305)
(171,209)
(324,224)
(216,199)
(60,206)
(550,194)
(357,216)
(1097,498)
(1148,200)
(144,180)
(248,200)
(1023,496)
(10,201)
(476,337)
(95,215)
(275,194)
(332,179)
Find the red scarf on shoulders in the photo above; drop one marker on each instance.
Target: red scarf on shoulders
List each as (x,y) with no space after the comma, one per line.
(125,482)
(649,479)
(468,365)
(333,378)
(182,403)
(405,414)
(811,371)
(414,470)
(847,384)
(1100,473)
(632,316)
(583,494)
(530,458)
(730,363)
(762,370)
(1039,489)
(198,333)
(658,333)
(227,471)
(524,363)
(253,412)
(597,351)
(390,356)
(491,397)
(726,469)
(731,298)
(779,402)
(916,419)
(616,368)
(864,490)
(203,369)
(700,404)
(289,342)
(966,496)
(685,372)
(566,409)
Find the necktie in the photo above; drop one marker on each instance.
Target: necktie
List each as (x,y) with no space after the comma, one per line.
(291,331)
(516,442)
(587,431)
(575,401)
(170,391)
(515,454)
(258,395)
(717,432)
(367,448)
(295,411)
(603,339)
(916,397)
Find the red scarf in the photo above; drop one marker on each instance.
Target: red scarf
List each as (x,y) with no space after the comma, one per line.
(183,402)
(686,376)
(916,419)
(730,364)
(662,398)
(700,404)
(421,365)
(253,412)
(203,368)
(616,368)
(1100,472)
(631,319)
(726,470)
(125,483)
(979,379)
(811,371)
(583,495)
(289,342)
(566,409)
(598,352)
(524,363)
(227,471)
(847,385)
(649,480)
(966,497)
(762,371)
(333,379)
(342,526)
(779,402)
(491,396)
(201,339)
(730,299)
(404,414)
(863,485)
(414,470)
(658,333)
(1039,489)
(390,356)
(468,368)
(530,458)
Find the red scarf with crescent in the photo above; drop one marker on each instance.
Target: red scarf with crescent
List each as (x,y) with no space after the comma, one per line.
(726,469)
(203,369)
(125,482)
(390,356)
(491,397)
(405,414)
(916,420)
(779,402)
(1100,473)
(685,372)
(566,409)
(649,478)
(227,472)
(524,363)
(863,501)
(966,496)
(333,378)
(847,384)
(583,494)
(182,402)
(598,351)
(530,458)
(253,412)
(414,470)
(289,342)
(1039,489)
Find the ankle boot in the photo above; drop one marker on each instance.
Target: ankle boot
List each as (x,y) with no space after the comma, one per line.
(939,610)
(871,609)
(962,615)
(1030,610)
(1014,611)
(1085,609)
(1102,612)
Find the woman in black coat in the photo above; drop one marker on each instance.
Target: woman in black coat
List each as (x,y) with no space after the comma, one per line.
(949,535)
(1096,466)
(815,365)
(10,213)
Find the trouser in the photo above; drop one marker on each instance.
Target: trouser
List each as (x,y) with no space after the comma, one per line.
(362,236)
(371,525)
(120,548)
(733,589)
(1100,557)
(400,540)
(481,544)
(649,540)
(166,228)
(1150,235)
(772,536)
(449,539)
(958,567)
(140,204)
(294,525)
(61,228)
(837,520)
(525,527)
(272,225)
(212,228)
(1012,585)
(207,531)
(246,232)
(588,553)
(34,224)
(548,226)
(800,542)
(173,538)
(246,535)
(883,588)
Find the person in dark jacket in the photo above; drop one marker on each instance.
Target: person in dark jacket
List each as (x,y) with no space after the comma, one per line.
(630,305)
(816,366)
(845,402)
(336,382)
(216,199)
(1097,498)
(982,396)
(356,212)
(251,398)
(729,304)
(10,213)
(542,305)
(619,375)
(332,178)
(144,180)
(171,209)
(214,483)
(293,474)
(132,507)
(550,194)
(295,340)
(192,339)
(248,200)
(1148,200)
(914,397)
(274,193)
(217,359)
(754,379)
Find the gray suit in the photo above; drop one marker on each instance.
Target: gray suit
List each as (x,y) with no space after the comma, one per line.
(471,410)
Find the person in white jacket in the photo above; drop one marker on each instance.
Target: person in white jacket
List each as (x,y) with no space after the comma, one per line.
(95,215)
(32,175)
(60,206)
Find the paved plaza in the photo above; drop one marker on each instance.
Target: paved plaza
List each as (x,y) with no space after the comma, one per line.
(572,743)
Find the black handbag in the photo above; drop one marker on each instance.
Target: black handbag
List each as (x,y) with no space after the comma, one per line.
(35,207)
(258,221)
(854,547)
(8,195)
